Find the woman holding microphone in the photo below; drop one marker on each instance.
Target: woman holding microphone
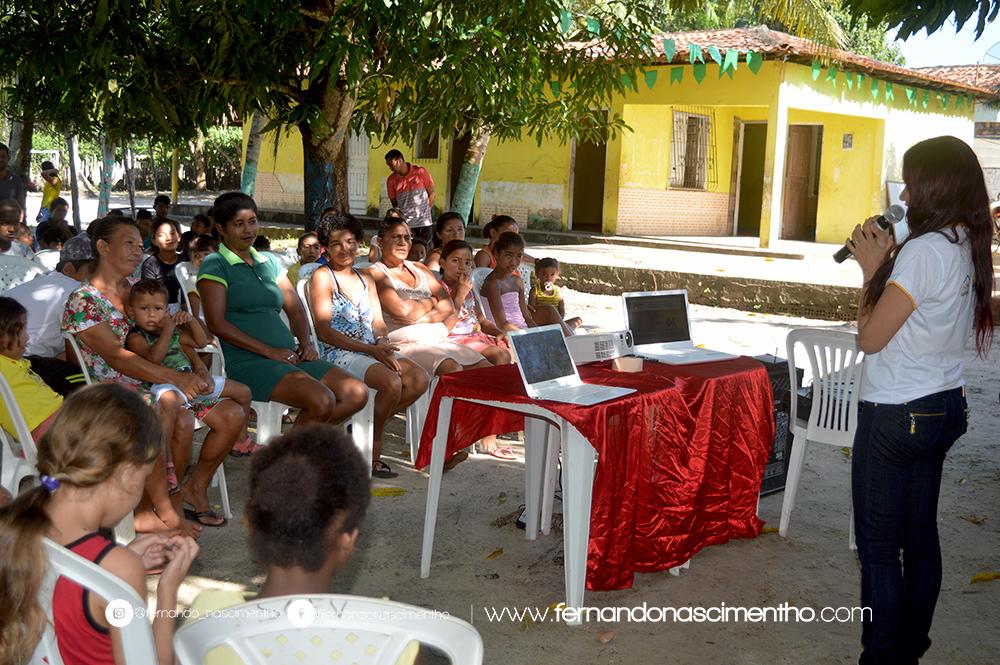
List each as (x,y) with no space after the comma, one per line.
(920,302)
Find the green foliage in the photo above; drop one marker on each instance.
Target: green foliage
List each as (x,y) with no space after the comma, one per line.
(931,14)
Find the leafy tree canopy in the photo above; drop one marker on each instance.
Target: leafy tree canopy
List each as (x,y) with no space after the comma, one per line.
(930,14)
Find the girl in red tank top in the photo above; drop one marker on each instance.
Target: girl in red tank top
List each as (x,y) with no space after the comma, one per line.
(92,471)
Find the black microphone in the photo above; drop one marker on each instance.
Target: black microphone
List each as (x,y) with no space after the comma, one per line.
(892,214)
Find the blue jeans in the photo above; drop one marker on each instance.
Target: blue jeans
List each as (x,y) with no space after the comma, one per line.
(896,465)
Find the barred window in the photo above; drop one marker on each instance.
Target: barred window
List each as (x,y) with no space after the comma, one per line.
(692,150)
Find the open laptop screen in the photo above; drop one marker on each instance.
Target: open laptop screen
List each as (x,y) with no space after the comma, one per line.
(658,319)
(543,356)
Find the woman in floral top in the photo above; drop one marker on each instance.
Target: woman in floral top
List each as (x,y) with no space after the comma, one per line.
(95,315)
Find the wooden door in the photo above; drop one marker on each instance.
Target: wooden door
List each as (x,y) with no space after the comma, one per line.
(357,172)
(795,208)
(751,179)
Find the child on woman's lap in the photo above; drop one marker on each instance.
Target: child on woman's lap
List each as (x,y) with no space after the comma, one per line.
(156,338)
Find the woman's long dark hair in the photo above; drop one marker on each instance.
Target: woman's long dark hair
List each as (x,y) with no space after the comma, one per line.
(946,189)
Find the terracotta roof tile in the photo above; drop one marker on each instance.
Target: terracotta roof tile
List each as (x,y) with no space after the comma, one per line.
(774,45)
(983,76)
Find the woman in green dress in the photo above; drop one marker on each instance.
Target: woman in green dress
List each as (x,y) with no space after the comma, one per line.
(243,296)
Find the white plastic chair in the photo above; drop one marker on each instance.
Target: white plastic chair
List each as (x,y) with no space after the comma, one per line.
(219,478)
(836,364)
(15,469)
(527,271)
(47,258)
(346,629)
(137,635)
(186,275)
(478,277)
(16,270)
(362,429)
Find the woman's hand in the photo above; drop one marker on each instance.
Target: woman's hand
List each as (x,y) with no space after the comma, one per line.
(307,352)
(870,244)
(462,289)
(283,356)
(385,353)
(182,318)
(191,384)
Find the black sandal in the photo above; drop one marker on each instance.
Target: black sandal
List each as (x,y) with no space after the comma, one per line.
(381,470)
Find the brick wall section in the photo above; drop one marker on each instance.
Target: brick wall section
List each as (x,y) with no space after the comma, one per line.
(269,193)
(673,212)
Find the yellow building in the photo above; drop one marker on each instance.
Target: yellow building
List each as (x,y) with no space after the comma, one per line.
(772,145)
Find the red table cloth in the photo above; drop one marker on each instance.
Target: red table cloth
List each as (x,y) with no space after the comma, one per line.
(680,461)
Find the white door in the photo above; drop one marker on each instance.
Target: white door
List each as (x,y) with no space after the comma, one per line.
(357,172)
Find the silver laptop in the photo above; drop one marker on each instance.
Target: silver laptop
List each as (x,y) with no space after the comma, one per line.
(549,372)
(661,329)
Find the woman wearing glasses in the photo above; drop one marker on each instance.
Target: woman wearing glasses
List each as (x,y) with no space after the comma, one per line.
(417,310)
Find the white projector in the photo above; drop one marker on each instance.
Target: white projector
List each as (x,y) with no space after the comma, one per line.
(599,346)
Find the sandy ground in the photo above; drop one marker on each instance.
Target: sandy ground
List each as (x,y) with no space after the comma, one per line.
(812,568)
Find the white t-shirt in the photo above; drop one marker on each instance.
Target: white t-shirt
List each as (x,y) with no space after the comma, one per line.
(45,299)
(925,355)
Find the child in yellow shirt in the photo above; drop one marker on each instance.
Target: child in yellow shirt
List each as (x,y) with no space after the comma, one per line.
(37,402)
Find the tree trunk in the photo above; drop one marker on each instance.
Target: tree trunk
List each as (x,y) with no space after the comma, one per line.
(341,194)
(468,175)
(74,184)
(130,178)
(254,141)
(198,152)
(15,142)
(322,144)
(152,168)
(107,172)
(175,174)
(22,157)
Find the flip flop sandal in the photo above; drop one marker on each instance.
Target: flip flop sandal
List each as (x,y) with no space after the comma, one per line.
(456,459)
(382,470)
(201,516)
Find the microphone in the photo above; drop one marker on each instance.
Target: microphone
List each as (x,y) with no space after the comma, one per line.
(892,214)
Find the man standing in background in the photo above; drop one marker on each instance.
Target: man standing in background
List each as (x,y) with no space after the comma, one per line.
(411,189)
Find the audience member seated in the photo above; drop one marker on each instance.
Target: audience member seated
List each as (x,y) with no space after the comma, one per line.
(473,328)
(95,314)
(200,225)
(162,262)
(308,496)
(57,220)
(11,216)
(309,250)
(449,226)
(503,289)
(171,341)
(351,331)
(496,227)
(243,299)
(45,299)
(38,403)
(416,307)
(375,249)
(93,463)
(50,245)
(545,300)
(418,251)
(144,220)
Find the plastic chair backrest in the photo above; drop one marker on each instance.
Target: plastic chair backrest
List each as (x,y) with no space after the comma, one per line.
(137,635)
(365,631)
(479,276)
(526,270)
(75,346)
(16,270)
(836,365)
(362,265)
(302,288)
(15,469)
(186,276)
